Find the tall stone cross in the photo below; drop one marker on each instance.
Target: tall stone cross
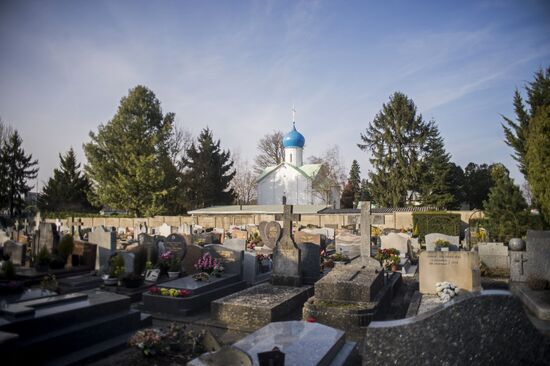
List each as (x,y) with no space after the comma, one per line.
(365,231)
(286,255)
(26,226)
(287,218)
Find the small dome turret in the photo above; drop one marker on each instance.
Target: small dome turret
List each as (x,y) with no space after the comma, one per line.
(294,139)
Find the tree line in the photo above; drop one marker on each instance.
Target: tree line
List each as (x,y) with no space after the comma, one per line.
(142,162)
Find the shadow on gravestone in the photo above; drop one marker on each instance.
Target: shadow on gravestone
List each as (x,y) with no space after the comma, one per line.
(194,253)
(498,332)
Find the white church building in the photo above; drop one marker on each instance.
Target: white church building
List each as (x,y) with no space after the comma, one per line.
(295,182)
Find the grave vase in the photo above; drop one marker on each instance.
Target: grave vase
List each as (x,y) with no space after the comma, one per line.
(173,275)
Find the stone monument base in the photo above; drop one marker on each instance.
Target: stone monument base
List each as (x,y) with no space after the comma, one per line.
(352,316)
(259,305)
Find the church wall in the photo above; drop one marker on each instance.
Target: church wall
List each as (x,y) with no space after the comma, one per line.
(297,188)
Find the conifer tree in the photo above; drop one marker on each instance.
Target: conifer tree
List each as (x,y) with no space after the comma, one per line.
(68,189)
(517,132)
(355,180)
(394,139)
(17,168)
(209,172)
(346,200)
(538,160)
(435,188)
(365,193)
(352,190)
(129,157)
(505,208)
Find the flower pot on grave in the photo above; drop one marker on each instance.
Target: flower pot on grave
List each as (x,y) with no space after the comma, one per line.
(173,275)
(394,268)
(110,281)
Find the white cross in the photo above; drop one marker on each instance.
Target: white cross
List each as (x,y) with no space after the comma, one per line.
(293,113)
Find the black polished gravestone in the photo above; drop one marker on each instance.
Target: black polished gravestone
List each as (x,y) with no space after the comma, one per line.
(202,292)
(176,243)
(67,329)
(468,330)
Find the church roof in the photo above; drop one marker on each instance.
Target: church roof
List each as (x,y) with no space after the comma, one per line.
(256,209)
(294,138)
(309,170)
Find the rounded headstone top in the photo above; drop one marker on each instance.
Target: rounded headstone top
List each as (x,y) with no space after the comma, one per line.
(294,138)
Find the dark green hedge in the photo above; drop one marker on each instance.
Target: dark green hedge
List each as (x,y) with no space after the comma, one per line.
(436,222)
(67,215)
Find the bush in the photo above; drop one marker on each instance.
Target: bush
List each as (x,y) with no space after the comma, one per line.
(8,270)
(436,222)
(116,266)
(44,257)
(66,246)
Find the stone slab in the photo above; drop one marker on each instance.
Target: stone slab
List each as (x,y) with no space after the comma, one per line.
(304,344)
(538,250)
(259,305)
(350,250)
(351,283)
(536,301)
(460,268)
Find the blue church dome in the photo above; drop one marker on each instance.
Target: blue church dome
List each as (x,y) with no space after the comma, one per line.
(294,139)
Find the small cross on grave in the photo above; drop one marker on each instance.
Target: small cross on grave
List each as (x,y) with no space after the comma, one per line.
(521,260)
(73,223)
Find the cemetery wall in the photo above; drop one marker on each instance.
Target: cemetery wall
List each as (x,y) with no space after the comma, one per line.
(395,220)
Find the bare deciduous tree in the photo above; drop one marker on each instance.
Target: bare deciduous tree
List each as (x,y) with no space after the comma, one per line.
(244,182)
(332,174)
(271,150)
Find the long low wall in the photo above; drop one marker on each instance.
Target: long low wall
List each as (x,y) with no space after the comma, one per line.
(395,220)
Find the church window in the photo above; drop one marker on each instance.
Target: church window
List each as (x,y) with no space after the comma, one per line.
(291,157)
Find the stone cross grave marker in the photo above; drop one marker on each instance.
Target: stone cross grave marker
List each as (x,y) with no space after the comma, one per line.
(72,223)
(286,255)
(365,232)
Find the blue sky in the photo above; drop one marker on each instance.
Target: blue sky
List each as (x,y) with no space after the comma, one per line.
(238,66)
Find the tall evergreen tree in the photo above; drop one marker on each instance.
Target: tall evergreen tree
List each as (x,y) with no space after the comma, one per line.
(365,193)
(538,159)
(516,132)
(477,184)
(355,180)
(129,157)
(352,190)
(346,200)
(505,208)
(17,169)
(436,177)
(68,189)
(209,172)
(395,138)
(457,183)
